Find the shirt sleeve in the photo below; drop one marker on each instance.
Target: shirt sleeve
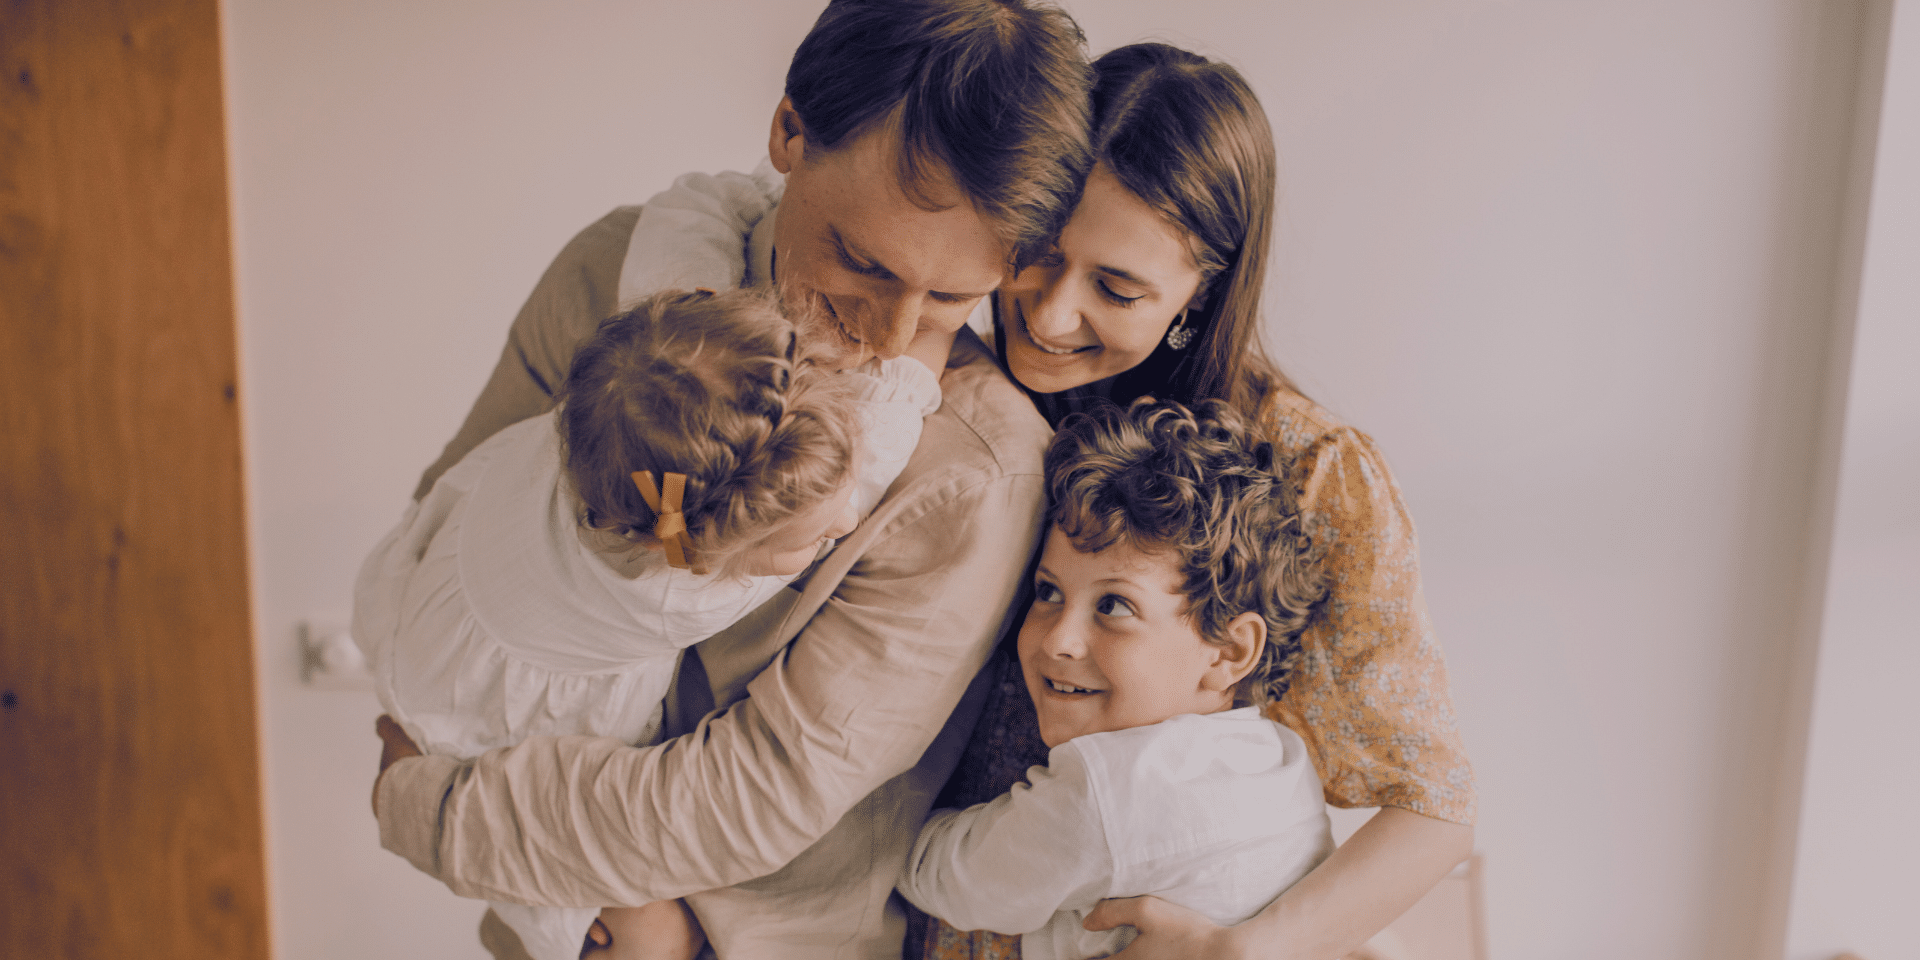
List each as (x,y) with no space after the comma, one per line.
(851,703)
(1010,864)
(1369,695)
(693,234)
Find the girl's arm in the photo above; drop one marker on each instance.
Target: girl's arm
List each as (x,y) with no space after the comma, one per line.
(1383,869)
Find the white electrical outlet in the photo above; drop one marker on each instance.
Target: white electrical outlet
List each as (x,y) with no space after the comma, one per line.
(329,659)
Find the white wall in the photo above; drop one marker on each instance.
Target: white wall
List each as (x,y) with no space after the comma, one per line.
(1854,882)
(1572,263)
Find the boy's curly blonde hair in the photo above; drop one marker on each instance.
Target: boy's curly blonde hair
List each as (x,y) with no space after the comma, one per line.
(1202,486)
(708,385)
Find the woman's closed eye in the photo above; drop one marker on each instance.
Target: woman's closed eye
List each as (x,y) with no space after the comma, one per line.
(1114,297)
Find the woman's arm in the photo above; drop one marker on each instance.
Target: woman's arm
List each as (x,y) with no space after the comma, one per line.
(1383,869)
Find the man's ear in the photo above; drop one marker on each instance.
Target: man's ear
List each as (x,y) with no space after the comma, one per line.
(1237,653)
(787,141)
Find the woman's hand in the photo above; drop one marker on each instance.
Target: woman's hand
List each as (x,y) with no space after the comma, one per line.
(1167,931)
(395,746)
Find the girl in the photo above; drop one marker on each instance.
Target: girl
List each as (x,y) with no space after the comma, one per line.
(548,583)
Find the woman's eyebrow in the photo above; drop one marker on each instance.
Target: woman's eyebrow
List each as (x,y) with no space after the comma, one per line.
(1120,274)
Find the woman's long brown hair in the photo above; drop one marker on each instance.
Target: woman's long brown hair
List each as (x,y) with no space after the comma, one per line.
(1188,136)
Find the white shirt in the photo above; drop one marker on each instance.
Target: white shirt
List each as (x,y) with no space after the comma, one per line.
(1217,813)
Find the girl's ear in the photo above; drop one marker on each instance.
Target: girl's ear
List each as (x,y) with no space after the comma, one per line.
(1237,653)
(787,141)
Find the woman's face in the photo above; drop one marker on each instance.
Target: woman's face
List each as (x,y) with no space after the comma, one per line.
(1100,304)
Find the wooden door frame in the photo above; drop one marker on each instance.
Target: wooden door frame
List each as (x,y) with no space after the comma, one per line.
(130,807)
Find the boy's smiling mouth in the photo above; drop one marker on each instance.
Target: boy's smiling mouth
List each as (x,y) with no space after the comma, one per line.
(1067,688)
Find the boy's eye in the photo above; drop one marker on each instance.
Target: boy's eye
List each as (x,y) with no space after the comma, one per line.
(1044,592)
(1113,606)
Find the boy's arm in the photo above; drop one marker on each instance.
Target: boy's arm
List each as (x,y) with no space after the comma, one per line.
(1009,864)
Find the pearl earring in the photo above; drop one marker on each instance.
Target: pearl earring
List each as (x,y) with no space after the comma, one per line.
(1180,335)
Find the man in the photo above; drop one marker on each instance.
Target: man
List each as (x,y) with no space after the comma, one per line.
(927,146)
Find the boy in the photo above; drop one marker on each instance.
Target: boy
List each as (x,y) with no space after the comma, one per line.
(1167,607)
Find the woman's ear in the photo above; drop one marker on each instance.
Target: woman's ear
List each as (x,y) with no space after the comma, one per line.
(1199,299)
(1237,652)
(787,141)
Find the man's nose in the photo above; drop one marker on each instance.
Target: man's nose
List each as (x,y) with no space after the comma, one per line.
(891,326)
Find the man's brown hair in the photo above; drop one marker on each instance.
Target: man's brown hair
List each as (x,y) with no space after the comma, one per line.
(990,92)
(1201,486)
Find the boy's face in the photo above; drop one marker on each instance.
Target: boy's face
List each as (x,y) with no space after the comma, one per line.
(1106,645)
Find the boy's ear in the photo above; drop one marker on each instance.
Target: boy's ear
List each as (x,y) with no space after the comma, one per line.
(787,140)
(1238,653)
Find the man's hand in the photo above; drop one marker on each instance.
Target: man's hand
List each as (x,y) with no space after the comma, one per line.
(1167,931)
(395,746)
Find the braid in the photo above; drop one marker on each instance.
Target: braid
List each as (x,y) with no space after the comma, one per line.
(704,385)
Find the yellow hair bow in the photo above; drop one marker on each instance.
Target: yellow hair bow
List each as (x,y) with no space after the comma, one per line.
(671,527)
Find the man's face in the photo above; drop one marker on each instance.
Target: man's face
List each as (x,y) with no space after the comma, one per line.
(865,268)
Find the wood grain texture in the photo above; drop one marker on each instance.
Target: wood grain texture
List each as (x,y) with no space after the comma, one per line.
(130,812)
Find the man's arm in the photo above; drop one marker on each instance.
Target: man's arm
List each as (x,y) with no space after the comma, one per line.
(578,291)
(850,704)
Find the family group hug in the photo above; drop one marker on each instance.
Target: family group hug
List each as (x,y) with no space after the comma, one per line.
(907,549)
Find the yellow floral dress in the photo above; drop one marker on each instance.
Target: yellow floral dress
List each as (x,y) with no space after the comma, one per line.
(1368,692)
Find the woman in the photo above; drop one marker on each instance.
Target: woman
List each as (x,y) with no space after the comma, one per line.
(1155,289)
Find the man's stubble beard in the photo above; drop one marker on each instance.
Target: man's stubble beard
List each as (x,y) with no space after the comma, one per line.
(820,339)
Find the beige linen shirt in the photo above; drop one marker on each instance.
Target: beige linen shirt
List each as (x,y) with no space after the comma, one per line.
(783,816)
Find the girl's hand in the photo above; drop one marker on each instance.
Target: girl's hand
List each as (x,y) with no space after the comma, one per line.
(1167,931)
(395,746)
(664,930)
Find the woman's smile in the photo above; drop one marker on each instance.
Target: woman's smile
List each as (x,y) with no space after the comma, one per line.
(1026,332)
(1104,299)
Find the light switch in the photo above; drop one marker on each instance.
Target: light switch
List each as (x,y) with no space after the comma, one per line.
(329,659)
